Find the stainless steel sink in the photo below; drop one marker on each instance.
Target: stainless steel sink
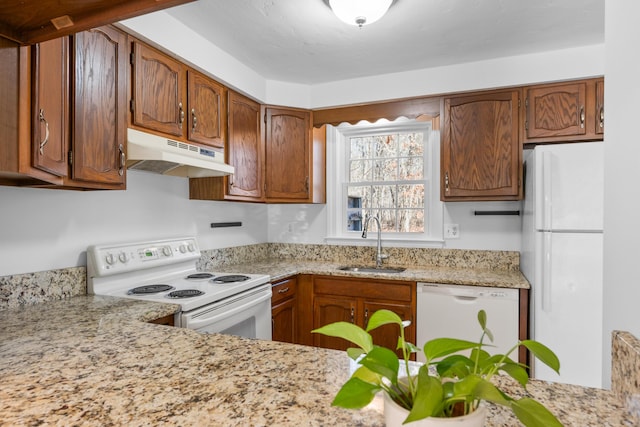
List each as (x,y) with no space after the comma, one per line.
(359,269)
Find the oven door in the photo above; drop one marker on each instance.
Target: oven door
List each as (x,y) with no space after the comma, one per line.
(247,314)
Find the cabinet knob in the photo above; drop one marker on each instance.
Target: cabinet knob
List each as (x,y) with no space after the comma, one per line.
(46,131)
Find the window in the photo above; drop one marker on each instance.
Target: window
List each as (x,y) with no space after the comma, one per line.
(385,170)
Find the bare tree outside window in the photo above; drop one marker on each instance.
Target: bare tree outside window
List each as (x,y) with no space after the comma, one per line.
(386,178)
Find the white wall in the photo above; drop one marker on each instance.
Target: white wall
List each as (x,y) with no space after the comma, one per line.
(509,71)
(156,206)
(621,173)
(308,224)
(47,229)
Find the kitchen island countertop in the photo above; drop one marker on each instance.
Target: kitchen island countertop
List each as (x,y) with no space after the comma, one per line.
(93,360)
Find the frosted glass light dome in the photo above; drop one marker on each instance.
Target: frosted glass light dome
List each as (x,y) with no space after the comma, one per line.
(359,12)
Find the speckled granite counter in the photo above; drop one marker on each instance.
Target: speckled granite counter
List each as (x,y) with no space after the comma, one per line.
(279,269)
(92,361)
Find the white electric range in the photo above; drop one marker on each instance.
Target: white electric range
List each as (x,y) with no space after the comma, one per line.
(165,271)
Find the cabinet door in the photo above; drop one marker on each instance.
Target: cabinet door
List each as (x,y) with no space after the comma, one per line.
(556,110)
(283,318)
(600,107)
(207,110)
(287,154)
(387,335)
(50,92)
(244,148)
(99,108)
(481,150)
(158,91)
(329,310)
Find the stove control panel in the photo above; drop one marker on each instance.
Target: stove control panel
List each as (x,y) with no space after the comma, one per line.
(104,260)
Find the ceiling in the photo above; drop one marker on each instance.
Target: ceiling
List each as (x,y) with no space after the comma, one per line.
(301,41)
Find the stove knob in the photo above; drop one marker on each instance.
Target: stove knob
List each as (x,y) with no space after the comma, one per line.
(183,249)
(110,259)
(191,247)
(123,257)
(166,251)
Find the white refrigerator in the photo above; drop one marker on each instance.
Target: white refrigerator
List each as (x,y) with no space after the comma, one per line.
(562,257)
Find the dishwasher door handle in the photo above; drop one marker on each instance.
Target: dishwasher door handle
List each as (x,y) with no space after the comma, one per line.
(464,298)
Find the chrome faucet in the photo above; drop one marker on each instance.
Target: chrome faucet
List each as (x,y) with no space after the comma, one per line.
(379,255)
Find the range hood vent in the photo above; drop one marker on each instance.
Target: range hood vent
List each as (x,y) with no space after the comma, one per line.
(155,154)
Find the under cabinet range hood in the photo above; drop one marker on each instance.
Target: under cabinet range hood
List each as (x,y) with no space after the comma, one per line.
(153,153)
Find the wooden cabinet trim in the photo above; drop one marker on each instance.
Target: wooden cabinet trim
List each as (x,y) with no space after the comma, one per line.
(412,108)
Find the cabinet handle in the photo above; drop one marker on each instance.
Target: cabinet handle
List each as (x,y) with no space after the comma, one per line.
(353,315)
(601,116)
(122,160)
(46,131)
(194,120)
(283,291)
(582,117)
(306,184)
(366,317)
(230,180)
(180,114)
(446,182)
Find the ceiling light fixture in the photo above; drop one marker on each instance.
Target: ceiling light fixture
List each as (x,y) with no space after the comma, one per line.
(359,12)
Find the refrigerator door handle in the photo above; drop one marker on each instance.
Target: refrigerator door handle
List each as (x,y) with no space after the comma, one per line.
(546,191)
(545,289)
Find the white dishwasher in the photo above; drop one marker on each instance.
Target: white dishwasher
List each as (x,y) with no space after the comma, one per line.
(452,311)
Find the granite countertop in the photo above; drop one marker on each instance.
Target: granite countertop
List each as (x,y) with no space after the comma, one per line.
(92,360)
(279,269)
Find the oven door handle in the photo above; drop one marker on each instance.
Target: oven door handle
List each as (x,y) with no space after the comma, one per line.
(195,322)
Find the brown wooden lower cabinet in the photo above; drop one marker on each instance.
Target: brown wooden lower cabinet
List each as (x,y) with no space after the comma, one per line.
(284,310)
(354,300)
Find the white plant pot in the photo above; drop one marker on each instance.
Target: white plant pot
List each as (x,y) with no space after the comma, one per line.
(394,415)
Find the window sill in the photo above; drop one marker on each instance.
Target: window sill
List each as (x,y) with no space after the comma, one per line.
(388,242)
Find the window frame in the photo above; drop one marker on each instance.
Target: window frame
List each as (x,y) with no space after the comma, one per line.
(338,175)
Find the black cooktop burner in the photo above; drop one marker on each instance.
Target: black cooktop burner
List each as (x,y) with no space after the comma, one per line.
(232,278)
(185,293)
(149,289)
(200,276)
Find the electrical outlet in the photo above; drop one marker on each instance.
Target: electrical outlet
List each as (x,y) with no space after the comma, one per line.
(451,231)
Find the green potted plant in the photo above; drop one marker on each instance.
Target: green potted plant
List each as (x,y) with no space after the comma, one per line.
(448,385)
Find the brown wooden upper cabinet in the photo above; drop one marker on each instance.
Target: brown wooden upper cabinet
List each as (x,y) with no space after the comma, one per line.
(288,153)
(99,118)
(206,109)
(481,153)
(171,99)
(276,159)
(564,112)
(50,105)
(69,127)
(244,151)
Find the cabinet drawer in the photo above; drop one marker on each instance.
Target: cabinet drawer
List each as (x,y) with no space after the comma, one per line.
(388,290)
(283,290)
